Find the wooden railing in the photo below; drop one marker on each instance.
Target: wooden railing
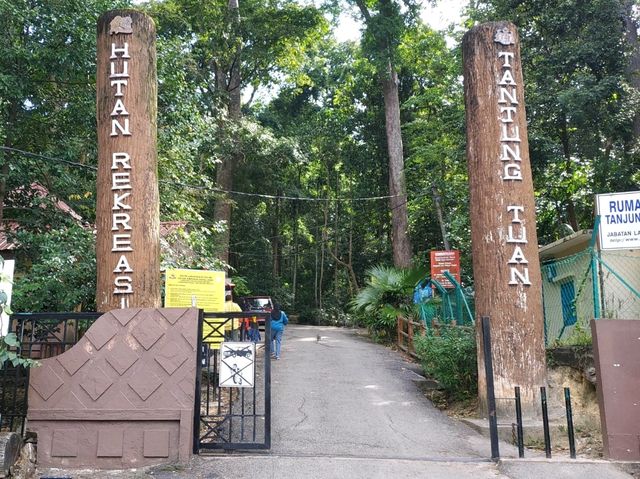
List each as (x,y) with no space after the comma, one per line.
(407,329)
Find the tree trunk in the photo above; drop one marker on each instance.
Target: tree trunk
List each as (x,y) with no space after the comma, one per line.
(127,203)
(5,156)
(294,281)
(572,217)
(506,268)
(443,228)
(275,242)
(336,235)
(322,252)
(633,68)
(400,241)
(231,82)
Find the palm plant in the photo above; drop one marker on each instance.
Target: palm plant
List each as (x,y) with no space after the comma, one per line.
(387,294)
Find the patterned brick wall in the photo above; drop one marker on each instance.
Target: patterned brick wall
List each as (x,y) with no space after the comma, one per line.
(123,396)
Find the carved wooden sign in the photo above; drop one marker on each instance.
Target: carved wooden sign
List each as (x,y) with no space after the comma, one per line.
(127,216)
(504,241)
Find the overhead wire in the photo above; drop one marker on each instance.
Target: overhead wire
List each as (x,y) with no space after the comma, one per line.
(209,188)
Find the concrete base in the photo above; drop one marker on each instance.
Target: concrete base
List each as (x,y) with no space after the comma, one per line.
(10,445)
(533,431)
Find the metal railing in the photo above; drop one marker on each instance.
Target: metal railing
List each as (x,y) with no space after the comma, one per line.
(41,335)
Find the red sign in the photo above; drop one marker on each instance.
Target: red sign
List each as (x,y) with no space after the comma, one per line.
(442,261)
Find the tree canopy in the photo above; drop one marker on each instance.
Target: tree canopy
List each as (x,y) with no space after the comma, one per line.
(301,116)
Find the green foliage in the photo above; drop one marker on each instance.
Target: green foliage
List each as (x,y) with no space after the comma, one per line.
(241,288)
(62,271)
(387,294)
(581,103)
(449,356)
(8,346)
(190,248)
(328,316)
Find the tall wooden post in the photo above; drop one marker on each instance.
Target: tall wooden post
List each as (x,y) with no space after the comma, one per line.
(503,225)
(127,216)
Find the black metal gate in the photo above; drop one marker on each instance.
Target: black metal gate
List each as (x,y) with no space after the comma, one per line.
(237,417)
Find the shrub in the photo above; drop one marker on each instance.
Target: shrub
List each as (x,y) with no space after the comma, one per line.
(449,356)
(387,294)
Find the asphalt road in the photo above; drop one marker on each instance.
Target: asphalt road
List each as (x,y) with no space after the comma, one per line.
(344,407)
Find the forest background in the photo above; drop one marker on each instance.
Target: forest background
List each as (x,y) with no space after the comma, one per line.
(294,159)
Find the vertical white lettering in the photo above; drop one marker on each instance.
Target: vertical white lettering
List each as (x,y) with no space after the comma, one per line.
(509,110)
(518,277)
(512,172)
(514,152)
(120,159)
(518,256)
(124,130)
(123,285)
(121,181)
(507,78)
(123,266)
(506,56)
(121,242)
(119,84)
(516,212)
(115,50)
(505,133)
(123,74)
(118,201)
(510,94)
(120,219)
(522,238)
(119,109)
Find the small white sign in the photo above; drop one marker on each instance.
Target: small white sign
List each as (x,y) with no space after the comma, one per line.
(619,220)
(237,365)
(6,283)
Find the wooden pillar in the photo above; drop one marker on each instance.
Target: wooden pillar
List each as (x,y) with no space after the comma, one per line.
(127,216)
(506,269)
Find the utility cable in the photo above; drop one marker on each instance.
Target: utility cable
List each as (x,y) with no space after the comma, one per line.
(209,188)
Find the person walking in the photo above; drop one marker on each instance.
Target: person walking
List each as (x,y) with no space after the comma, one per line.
(278,320)
(232,326)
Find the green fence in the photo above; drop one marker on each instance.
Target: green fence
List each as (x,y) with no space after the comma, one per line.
(590,284)
(448,305)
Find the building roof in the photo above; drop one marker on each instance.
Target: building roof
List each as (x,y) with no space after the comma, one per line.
(35,189)
(168,227)
(5,244)
(572,244)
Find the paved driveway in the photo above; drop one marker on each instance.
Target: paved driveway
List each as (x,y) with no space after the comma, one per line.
(344,407)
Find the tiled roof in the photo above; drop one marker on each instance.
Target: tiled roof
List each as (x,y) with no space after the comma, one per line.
(5,244)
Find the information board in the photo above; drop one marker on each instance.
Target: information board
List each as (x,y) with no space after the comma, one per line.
(207,287)
(442,261)
(237,365)
(619,220)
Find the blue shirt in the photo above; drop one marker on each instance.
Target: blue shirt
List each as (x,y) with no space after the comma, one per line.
(278,324)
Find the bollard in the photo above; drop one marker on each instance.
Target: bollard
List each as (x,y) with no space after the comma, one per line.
(545,422)
(570,432)
(520,433)
(491,397)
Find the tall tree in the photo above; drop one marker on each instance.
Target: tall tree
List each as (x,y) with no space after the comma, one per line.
(384,29)
(233,46)
(229,83)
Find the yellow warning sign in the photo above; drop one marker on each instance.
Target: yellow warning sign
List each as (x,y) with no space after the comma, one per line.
(184,286)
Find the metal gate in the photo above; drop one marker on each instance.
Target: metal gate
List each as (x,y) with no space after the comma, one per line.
(233,382)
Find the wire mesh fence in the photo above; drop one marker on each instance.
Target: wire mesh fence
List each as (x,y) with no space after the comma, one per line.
(447,306)
(590,284)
